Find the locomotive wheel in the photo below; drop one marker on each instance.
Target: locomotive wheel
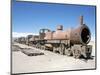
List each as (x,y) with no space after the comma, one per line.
(76,53)
(88,55)
(68,52)
(62,49)
(43,47)
(38,46)
(54,49)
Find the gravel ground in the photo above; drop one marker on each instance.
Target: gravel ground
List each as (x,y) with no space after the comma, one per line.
(48,62)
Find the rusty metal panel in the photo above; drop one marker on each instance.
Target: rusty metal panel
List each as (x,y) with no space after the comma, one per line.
(79,35)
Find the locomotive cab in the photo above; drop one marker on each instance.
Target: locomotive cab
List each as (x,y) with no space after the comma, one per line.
(42,33)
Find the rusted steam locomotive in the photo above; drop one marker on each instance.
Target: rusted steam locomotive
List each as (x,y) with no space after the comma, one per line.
(72,42)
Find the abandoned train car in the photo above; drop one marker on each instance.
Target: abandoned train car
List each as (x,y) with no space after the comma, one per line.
(72,42)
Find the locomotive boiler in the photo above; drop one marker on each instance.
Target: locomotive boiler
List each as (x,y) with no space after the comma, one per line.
(80,35)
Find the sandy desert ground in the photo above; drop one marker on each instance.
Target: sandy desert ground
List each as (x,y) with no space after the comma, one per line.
(50,61)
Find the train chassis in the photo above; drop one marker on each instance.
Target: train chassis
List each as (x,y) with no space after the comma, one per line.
(64,47)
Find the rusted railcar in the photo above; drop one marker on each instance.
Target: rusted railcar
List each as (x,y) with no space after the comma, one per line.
(28,37)
(70,42)
(21,40)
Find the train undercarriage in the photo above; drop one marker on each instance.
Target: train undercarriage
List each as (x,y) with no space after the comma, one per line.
(64,47)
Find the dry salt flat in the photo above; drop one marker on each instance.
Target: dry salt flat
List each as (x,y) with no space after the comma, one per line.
(50,61)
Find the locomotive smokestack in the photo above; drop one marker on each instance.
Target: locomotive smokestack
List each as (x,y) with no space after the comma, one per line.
(81,20)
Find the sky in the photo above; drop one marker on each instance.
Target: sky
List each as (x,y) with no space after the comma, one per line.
(30,17)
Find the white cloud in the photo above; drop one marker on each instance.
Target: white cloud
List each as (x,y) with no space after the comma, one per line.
(17,34)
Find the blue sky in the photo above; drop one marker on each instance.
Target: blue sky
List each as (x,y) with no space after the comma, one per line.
(30,17)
